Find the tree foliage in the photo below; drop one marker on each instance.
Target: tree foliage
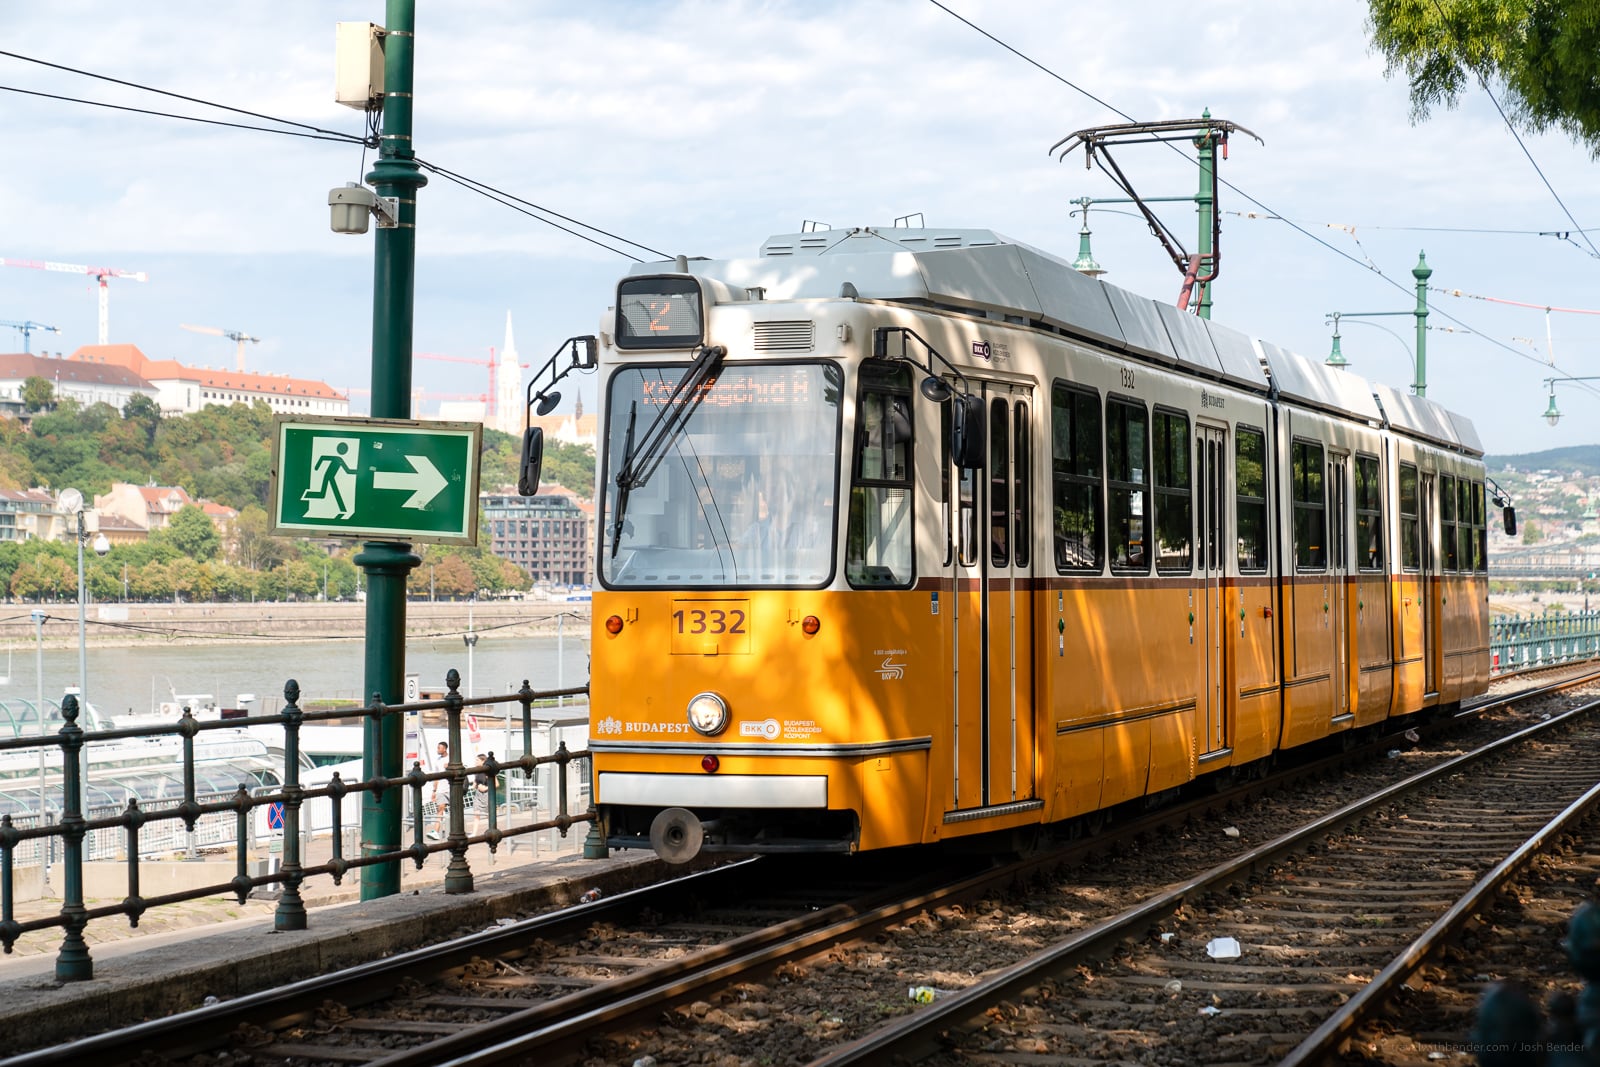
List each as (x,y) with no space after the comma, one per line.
(1545,54)
(192,533)
(37,393)
(221,454)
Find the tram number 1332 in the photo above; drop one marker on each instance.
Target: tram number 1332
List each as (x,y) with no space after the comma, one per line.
(708,620)
(716,627)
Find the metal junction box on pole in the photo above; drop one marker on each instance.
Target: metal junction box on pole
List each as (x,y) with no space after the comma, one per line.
(358,65)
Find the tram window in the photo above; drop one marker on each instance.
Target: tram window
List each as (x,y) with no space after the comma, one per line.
(944,482)
(1480,560)
(1310,505)
(999,483)
(1174,499)
(1410,527)
(1021,487)
(967,517)
(1127,467)
(878,541)
(1369,514)
(1466,535)
(1075,478)
(883,437)
(1250,503)
(1447,521)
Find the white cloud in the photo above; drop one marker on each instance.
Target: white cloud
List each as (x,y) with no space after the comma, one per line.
(701,126)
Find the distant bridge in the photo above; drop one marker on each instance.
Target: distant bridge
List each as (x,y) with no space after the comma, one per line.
(1550,571)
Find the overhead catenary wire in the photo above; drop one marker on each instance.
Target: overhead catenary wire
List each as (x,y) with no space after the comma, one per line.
(1368,266)
(1483,82)
(512,201)
(335,134)
(344,138)
(369,139)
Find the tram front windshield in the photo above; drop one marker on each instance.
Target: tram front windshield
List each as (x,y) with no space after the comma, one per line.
(734,482)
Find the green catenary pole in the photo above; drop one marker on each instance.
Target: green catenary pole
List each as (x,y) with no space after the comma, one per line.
(387,563)
(1422,272)
(1206,145)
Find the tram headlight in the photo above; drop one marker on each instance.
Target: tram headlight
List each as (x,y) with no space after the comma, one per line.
(708,713)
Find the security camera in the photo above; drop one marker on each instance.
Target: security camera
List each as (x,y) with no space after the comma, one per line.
(351,206)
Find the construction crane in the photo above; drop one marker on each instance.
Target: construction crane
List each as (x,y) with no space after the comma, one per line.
(493,365)
(232,335)
(100,273)
(28,328)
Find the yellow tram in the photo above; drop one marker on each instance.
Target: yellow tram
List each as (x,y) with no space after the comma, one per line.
(909,535)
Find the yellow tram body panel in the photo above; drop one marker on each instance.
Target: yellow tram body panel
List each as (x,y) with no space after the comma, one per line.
(853,704)
(1255,701)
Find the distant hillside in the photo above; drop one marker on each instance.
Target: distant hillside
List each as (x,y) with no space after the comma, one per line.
(1585,458)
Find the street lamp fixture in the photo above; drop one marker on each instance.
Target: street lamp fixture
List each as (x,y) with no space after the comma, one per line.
(1419,363)
(70,502)
(1336,357)
(1552,414)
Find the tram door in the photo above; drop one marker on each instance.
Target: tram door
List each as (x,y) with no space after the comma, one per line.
(1211,458)
(1428,578)
(993,632)
(1339,557)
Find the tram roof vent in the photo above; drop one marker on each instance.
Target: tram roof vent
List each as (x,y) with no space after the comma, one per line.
(797,336)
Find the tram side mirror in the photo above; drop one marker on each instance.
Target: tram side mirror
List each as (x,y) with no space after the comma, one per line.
(1509,515)
(966,431)
(532,460)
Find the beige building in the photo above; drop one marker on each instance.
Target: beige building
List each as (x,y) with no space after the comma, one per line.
(181,390)
(86,383)
(151,507)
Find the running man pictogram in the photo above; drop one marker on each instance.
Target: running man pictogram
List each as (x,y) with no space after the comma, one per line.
(332,491)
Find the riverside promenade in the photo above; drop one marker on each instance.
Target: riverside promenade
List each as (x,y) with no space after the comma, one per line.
(111,624)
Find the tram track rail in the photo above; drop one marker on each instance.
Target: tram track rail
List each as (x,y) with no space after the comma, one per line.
(1136,977)
(523,1000)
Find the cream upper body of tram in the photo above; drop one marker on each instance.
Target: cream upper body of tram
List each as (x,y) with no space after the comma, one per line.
(908,535)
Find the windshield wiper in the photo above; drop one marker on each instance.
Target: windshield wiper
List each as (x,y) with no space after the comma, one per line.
(623,488)
(638,464)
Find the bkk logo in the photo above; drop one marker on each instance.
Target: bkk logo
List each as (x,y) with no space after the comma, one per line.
(767,728)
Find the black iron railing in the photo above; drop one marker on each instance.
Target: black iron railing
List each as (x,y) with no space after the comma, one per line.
(1544,640)
(73,824)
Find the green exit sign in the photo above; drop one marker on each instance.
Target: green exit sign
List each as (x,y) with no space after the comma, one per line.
(389,480)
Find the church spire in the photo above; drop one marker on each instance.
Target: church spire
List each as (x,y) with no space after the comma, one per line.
(509,399)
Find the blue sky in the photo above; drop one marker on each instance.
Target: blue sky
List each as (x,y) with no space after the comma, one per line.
(702,127)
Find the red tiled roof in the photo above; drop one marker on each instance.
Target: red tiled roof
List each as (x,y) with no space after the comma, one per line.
(18,365)
(164,499)
(239,381)
(120,355)
(111,523)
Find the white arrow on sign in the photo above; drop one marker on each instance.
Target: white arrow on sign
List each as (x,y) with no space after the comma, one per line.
(425,484)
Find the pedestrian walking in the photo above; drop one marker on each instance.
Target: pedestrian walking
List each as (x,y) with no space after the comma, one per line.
(480,797)
(441,795)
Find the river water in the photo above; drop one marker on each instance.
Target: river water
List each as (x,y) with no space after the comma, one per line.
(137,679)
